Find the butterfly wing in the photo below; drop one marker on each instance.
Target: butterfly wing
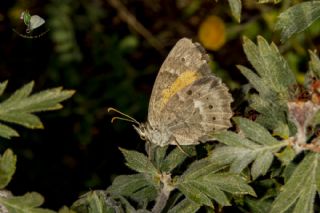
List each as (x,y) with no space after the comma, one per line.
(186,63)
(197,111)
(35,22)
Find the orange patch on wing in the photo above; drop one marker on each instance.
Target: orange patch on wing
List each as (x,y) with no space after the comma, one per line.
(181,82)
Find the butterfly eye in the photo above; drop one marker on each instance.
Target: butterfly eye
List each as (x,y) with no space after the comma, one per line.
(210,106)
(189,92)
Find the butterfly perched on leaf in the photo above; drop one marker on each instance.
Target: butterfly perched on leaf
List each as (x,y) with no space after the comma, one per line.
(188,103)
(32,22)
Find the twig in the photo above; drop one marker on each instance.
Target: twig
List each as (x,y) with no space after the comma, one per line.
(131,20)
(164,193)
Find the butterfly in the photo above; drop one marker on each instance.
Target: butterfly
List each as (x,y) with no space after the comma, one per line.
(32,23)
(188,103)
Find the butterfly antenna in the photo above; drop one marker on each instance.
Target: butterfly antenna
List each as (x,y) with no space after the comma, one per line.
(126,117)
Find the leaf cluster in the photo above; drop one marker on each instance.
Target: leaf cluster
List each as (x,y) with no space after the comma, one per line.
(250,157)
(273,149)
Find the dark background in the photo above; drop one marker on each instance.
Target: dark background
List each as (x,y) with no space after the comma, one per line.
(94,50)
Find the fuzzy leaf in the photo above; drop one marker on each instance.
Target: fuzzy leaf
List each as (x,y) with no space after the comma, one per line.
(314,64)
(138,162)
(229,182)
(201,167)
(193,193)
(212,192)
(300,190)
(272,79)
(261,164)
(201,183)
(27,203)
(3,86)
(297,18)
(270,66)
(224,155)
(273,116)
(235,6)
(7,132)
(241,151)
(19,106)
(137,187)
(96,202)
(186,206)
(7,167)
(259,206)
(159,155)
(65,209)
(269,1)
(175,158)
(255,132)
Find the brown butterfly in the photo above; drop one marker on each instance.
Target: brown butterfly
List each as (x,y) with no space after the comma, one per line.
(188,103)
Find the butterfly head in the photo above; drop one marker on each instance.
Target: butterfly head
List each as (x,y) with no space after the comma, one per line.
(158,136)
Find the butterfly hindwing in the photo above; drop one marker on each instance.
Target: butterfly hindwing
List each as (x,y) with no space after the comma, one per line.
(198,110)
(35,22)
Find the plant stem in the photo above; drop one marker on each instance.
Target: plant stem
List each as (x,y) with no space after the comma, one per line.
(161,201)
(164,194)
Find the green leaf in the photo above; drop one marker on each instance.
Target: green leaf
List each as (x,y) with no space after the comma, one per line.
(186,206)
(269,1)
(3,86)
(273,115)
(261,164)
(65,209)
(258,148)
(272,79)
(297,18)
(201,182)
(26,17)
(159,154)
(175,158)
(193,193)
(259,206)
(7,132)
(139,187)
(314,64)
(232,139)
(212,191)
(7,167)
(255,131)
(300,190)
(201,167)
(228,182)
(96,202)
(211,186)
(24,119)
(270,66)
(287,155)
(235,6)
(138,162)
(19,106)
(27,203)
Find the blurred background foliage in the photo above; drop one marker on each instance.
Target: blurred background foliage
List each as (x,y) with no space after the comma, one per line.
(110,51)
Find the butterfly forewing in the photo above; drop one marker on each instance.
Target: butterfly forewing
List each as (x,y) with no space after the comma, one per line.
(186,63)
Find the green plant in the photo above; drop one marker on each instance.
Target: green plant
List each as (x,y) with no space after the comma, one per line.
(268,163)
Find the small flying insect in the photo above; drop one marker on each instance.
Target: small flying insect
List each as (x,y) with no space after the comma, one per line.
(32,22)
